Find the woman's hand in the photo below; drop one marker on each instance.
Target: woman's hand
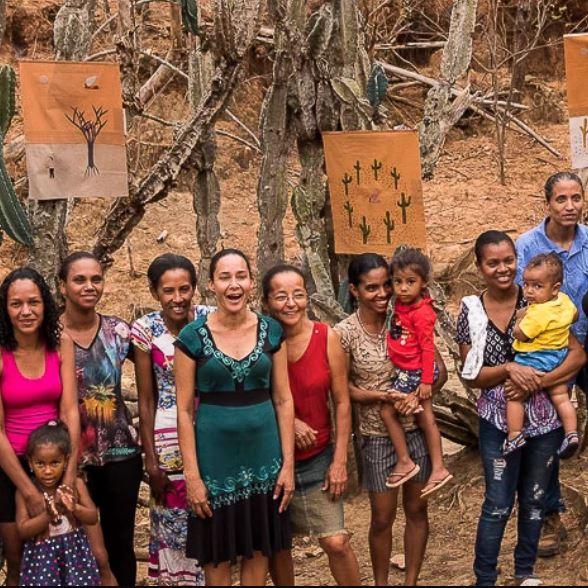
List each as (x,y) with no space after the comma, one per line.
(526,378)
(35,503)
(304,435)
(198,497)
(512,392)
(158,482)
(408,405)
(285,487)
(336,480)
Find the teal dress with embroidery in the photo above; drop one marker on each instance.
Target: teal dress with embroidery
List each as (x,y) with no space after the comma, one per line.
(238,446)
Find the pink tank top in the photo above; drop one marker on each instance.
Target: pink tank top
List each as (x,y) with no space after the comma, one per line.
(28,403)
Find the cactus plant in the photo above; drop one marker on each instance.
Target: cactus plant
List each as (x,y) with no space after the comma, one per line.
(347,179)
(396,177)
(389,224)
(190,16)
(365,230)
(349,209)
(13,219)
(357,168)
(404,203)
(376,167)
(377,85)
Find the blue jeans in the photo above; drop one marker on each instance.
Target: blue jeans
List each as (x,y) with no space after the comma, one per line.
(525,472)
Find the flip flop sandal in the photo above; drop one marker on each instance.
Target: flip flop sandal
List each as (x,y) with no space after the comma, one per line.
(569,445)
(511,445)
(402,478)
(437,485)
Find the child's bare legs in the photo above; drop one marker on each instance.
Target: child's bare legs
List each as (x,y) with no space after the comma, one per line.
(404,463)
(567,414)
(426,422)
(515,418)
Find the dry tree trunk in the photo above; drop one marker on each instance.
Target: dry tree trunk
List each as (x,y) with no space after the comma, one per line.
(207,195)
(276,143)
(440,113)
(236,27)
(2,19)
(72,40)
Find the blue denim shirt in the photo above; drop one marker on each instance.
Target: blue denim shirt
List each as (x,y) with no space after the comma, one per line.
(575,263)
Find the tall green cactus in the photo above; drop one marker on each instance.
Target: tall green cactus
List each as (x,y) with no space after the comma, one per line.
(13,219)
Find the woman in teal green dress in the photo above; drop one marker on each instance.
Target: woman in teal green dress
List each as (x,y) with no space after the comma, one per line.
(238,453)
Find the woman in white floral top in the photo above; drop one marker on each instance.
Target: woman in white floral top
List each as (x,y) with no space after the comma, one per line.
(172,281)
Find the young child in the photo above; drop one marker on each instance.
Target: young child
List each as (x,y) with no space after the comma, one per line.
(541,336)
(56,550)
(411,348)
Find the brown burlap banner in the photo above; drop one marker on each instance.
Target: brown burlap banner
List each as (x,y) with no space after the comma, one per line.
(74,129)
(576,57)
(376,191)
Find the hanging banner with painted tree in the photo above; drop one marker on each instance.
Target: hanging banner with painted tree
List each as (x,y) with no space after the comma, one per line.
(376,191)
(74,129)
(576,57)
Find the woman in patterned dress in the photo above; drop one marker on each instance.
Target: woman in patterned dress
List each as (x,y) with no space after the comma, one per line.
(172,282)
(239,454)
(109,451)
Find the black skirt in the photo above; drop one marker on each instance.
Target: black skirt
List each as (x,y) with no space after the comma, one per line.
(238,530)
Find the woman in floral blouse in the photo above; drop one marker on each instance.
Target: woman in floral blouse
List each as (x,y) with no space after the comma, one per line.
(109,452)
(172,282)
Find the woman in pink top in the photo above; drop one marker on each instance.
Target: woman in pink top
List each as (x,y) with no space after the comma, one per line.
(37,384)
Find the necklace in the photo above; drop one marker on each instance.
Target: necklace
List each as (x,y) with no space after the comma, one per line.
(379,335)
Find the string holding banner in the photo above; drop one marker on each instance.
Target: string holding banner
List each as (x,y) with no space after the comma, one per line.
(74,129)
(576,60)
(376,191)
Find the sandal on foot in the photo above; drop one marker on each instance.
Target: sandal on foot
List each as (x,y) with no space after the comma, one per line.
(515,444)
(402,477)
(436,485)
(569,445)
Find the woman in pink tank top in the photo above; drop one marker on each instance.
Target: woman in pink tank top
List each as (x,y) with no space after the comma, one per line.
(37,384)
(317,371)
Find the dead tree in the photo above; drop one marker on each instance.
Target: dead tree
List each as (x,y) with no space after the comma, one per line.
(90,129)
(49,218)
(441,113)
(206,194)
(2,19)
(276,143)
(235,26)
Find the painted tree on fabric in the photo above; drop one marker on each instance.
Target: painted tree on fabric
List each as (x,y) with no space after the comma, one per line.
(90,129)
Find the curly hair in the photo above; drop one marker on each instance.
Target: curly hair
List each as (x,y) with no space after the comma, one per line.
(411,258)
(50,330)
(51,433)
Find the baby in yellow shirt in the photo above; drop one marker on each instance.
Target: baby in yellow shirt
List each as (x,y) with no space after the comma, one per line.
(541,333)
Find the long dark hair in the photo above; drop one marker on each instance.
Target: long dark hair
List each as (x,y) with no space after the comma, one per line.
(71,259)
(361,265)
(50,330)
(224,253)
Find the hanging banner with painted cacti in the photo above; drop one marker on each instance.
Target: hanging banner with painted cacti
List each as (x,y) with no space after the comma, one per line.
(74,129)
(376,191)
(576,58)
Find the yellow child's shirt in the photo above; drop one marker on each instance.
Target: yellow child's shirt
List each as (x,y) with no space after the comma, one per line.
(547,325)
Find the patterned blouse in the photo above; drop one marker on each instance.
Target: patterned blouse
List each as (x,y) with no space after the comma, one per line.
(540,415)
(370,369)
(151,335)
(108,433)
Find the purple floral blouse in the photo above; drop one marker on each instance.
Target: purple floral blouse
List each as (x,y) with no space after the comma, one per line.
(540,415)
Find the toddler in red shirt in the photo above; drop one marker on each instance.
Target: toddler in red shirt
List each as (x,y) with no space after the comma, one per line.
(411,348)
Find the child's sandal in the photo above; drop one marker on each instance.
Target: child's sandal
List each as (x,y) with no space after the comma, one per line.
(511,445)
(569,445)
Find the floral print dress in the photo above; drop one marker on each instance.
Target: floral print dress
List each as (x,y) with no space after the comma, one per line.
(168,565)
